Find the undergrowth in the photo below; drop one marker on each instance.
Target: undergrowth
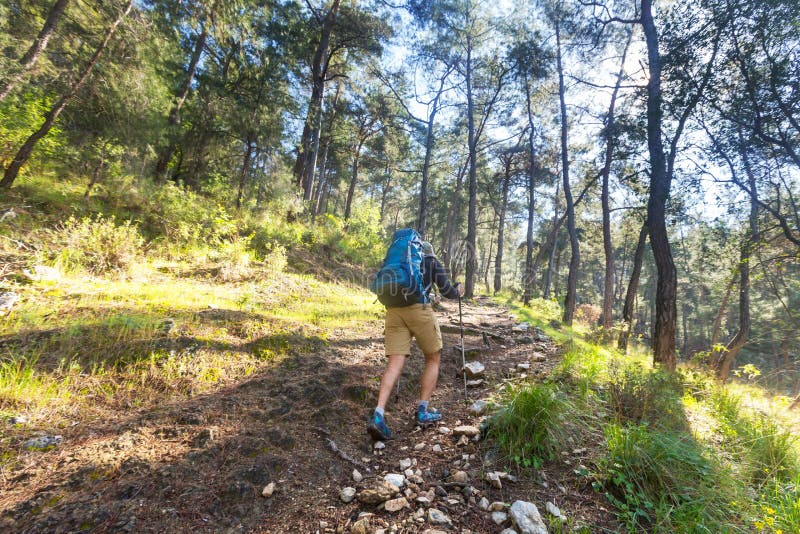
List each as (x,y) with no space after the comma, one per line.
(679,452)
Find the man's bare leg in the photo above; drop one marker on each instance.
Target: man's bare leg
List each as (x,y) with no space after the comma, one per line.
(390,376)
(430,375)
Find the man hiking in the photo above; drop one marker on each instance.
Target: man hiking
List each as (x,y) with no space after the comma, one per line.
(405,320)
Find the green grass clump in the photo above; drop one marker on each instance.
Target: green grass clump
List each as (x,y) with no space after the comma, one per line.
(528,430)
(661,482)
(96,244)
(638,394)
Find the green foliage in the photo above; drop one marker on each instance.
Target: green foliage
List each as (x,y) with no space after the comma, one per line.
(20,116)
(97,244)
(233,259)
(528,429)
(637,394)
(661,482)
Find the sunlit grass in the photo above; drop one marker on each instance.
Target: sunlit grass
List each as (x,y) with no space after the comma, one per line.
(681,453)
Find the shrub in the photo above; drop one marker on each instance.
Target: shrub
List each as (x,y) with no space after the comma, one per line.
(275,261)
(97,244)
(527,430)
(545,309)
(588,313)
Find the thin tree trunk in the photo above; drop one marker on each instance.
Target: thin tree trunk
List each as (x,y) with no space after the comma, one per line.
(162,164)
(660,182)
(633,287)
(452,217)
(248,152)
(722,309)
(96,174)
(472,215)
(319,65)
(422,219)
(498,261)
(28,60)
(608,247)
(575,259)
(528,278)
(488,259)
(27,148)
(726,359)
(351,191)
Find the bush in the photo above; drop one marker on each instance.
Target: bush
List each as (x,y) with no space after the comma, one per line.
(97,244)
(545,309)
(588,314)
(528,429)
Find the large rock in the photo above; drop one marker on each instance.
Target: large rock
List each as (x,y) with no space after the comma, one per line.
(459,477)
(499,517)
(474,369)
(479,407)
(382,492)
(526,518)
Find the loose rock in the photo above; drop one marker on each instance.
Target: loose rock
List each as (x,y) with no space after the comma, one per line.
(474,369)
(466,430)
(554,510)
(494,479)
(405,463)
(42,442)
(379,445)
(357,476)
(463,441)
(499,517)
(382,492)
(444,430)
(395,505)
(483,504)
(526,517)
(437,517)
(437,448)
(478,407)
(497,506)
(396,479)
(268,490)
(360,527)
(459,477)
(347,494)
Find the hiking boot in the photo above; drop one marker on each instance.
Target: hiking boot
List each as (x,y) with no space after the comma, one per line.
(427,416)
(377,428)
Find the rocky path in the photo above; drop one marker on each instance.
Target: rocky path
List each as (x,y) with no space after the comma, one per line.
(287,451)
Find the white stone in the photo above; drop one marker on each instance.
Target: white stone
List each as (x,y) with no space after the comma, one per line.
(395,505)
(463,441)
(268,490)
(554,510)
(499,517)
(419,446)
(437,448)
(405,463)
(347,494)
(494,480)
(526,518)
(379,445)
(478,407)
(483,504)
(444,430)
(357,476)
(474,369)
(395,478)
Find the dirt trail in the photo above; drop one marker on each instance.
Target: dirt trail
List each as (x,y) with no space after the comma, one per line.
(201,464)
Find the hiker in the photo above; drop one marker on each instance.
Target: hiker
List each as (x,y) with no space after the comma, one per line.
(405,320)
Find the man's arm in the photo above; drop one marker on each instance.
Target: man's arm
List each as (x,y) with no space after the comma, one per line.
(443,283)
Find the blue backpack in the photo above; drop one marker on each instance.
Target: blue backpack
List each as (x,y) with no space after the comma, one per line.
(399,283)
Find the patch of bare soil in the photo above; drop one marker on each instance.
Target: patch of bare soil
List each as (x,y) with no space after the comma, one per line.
(201,464)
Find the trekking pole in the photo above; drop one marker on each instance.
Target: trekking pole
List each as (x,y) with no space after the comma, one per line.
(463,356)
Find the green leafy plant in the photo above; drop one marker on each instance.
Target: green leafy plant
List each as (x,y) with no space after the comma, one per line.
(97,244)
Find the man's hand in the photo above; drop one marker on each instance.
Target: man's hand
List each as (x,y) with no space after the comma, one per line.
(460,288)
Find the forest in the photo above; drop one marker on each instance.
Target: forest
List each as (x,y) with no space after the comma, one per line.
(635,164)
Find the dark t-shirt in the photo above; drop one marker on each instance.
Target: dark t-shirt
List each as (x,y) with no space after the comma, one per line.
(433,273)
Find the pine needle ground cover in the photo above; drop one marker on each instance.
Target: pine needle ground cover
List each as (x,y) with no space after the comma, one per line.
(671,452)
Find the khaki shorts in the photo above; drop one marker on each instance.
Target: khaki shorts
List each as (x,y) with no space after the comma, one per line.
(412,321)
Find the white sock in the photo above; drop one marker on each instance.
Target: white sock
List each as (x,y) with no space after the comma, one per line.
(423,405)
(379,411)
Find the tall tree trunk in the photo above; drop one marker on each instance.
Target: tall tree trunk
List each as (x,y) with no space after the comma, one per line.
(385,191)
(248,152)
(488,259)
(608,247)
(472,216)
(351,191)
(633,287)
(726,359)
(575,259)
(27,148)
(498,261)
(162,164)
(422,219)
(28,60)
(528,278)
(722,309)
(660,183)
(319,66)
(452,217)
